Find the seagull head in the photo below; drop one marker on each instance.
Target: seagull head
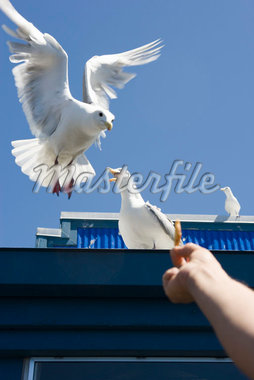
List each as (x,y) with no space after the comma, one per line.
(104,119)
(226,190)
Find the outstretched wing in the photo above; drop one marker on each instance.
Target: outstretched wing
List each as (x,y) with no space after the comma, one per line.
(42,75)
(162,219)
(102,72)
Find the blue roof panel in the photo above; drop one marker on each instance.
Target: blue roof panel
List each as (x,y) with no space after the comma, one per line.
(221,240)
(109,238)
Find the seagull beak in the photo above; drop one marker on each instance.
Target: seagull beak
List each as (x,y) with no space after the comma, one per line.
(109,126)
(222,188)
(113,172)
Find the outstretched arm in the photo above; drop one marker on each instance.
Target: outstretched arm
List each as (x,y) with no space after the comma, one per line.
(227,304)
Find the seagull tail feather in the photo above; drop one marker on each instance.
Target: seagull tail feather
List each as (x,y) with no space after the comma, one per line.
(29,155)
(38,162)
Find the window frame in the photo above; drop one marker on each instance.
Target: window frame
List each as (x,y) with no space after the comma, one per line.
(30,362)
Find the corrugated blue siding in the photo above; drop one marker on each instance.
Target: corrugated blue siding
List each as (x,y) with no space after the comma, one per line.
(222,240)
(99,238)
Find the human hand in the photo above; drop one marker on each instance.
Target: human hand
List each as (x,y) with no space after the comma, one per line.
(192,263)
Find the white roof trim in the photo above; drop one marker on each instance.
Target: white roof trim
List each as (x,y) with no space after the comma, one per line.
(90,215)
(181,217)
(49,231)
(212,218)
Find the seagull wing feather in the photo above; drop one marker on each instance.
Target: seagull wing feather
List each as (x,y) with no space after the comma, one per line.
(102,72)
(42,74)
(163,220)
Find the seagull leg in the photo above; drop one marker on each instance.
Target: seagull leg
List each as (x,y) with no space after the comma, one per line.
(69,188)
(57,188)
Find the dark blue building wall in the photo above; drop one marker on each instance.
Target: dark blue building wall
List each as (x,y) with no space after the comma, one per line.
(11,368)
(99,303)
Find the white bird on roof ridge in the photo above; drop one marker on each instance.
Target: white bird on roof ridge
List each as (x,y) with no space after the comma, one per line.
(232,206)
(63,126)
(142,225)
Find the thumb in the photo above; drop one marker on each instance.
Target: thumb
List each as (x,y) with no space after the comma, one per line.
(186,250)
(177,260)
(180,253)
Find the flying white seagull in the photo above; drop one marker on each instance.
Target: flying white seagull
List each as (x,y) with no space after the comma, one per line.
(63,126)
(232,206)
(142,225)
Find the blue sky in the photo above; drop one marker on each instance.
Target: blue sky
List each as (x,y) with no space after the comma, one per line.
(195,103)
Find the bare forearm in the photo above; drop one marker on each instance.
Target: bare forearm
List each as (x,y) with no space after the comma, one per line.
(229,306)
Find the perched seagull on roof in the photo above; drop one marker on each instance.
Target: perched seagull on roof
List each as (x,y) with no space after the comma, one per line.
(142,225)
(232,206)
(63,126)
